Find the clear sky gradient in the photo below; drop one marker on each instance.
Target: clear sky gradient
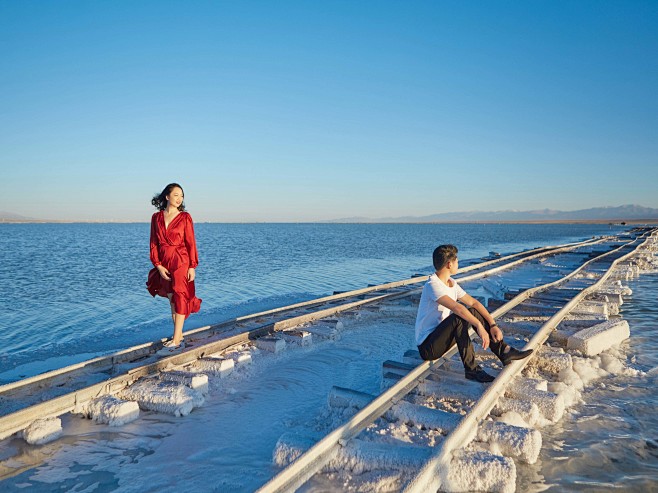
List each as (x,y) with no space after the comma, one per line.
(302,111)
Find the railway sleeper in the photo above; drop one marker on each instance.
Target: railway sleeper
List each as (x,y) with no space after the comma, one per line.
(436,387)
(297,337)
(163,396)
(550,404)
(513,441)
(272,344)
(402,411)
(596,339)
(42,431)
(468,470)
(217,366)
(356,456)
(551,360)
(109,410)
(193,380)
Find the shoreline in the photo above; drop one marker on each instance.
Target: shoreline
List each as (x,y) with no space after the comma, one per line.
(611,222)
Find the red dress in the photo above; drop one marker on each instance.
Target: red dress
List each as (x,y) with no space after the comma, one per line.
(174,247)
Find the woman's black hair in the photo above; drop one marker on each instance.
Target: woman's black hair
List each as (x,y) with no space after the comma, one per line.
(159,200)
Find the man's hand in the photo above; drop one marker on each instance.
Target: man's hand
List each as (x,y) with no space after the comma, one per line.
(496,333)
(483,335)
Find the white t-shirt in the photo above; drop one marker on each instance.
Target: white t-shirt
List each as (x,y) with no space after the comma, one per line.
(430,312)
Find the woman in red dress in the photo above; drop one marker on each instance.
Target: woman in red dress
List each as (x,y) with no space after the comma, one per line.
(174,256)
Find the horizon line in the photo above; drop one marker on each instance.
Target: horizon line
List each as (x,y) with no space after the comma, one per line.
(611,221)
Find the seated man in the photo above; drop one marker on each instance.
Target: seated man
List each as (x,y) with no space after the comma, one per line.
(442,321)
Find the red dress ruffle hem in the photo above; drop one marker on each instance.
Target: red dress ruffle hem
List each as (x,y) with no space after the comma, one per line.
(175,248)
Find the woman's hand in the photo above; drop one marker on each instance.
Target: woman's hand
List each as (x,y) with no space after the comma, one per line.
(191,274)
(164,273)
(483,335)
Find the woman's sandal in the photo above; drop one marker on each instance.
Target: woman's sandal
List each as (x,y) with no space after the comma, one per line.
(169,347)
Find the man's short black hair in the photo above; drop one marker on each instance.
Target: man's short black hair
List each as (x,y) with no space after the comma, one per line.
(443,254)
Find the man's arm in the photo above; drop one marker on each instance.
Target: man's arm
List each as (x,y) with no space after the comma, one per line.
(496,333)
(461,311)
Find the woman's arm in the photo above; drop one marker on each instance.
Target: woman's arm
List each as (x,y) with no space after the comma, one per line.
(190,242)
(155,256)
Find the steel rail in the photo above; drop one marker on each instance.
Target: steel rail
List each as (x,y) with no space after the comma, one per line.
(429,477)
(19,419)
(312,461)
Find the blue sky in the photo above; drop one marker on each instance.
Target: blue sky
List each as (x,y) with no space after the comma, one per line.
(302,111)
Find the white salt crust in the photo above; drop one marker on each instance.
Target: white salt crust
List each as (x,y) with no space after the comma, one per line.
(404,412)
(550,360)
(359,456)
(526,410)
(479,471)
(616,287)
(592,307)
(449,390)
(164,397)
(43,431)
(111,411)
(324,331)
(271,344)
(289,447)
(551,406)
(356,456)
(196,381)
(521,383)
(221,367)
(297,337)
(517,442)
(594,340)
(514,419)
(240,357)
(425,417)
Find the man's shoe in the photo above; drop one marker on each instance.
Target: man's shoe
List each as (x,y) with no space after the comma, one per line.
(513,355)
(479,375)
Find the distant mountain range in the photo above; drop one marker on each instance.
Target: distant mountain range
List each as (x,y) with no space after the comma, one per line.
(635,213)
(10,216)
(621,213)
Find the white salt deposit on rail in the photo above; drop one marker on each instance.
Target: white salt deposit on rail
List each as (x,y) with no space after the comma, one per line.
(163,396)
(43,431)
(110,410)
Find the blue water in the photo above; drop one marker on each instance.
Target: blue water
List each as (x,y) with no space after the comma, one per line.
(68,289)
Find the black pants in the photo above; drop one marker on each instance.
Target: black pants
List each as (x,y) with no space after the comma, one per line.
(455,329)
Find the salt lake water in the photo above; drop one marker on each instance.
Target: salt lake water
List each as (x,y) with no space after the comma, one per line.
(79,289)
(71,291)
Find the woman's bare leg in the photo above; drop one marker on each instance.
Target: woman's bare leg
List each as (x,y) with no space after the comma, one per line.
(179,320)
(173,311)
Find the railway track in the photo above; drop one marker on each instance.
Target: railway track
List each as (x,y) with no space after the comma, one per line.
(57,392)
(415,387)
(69,389)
